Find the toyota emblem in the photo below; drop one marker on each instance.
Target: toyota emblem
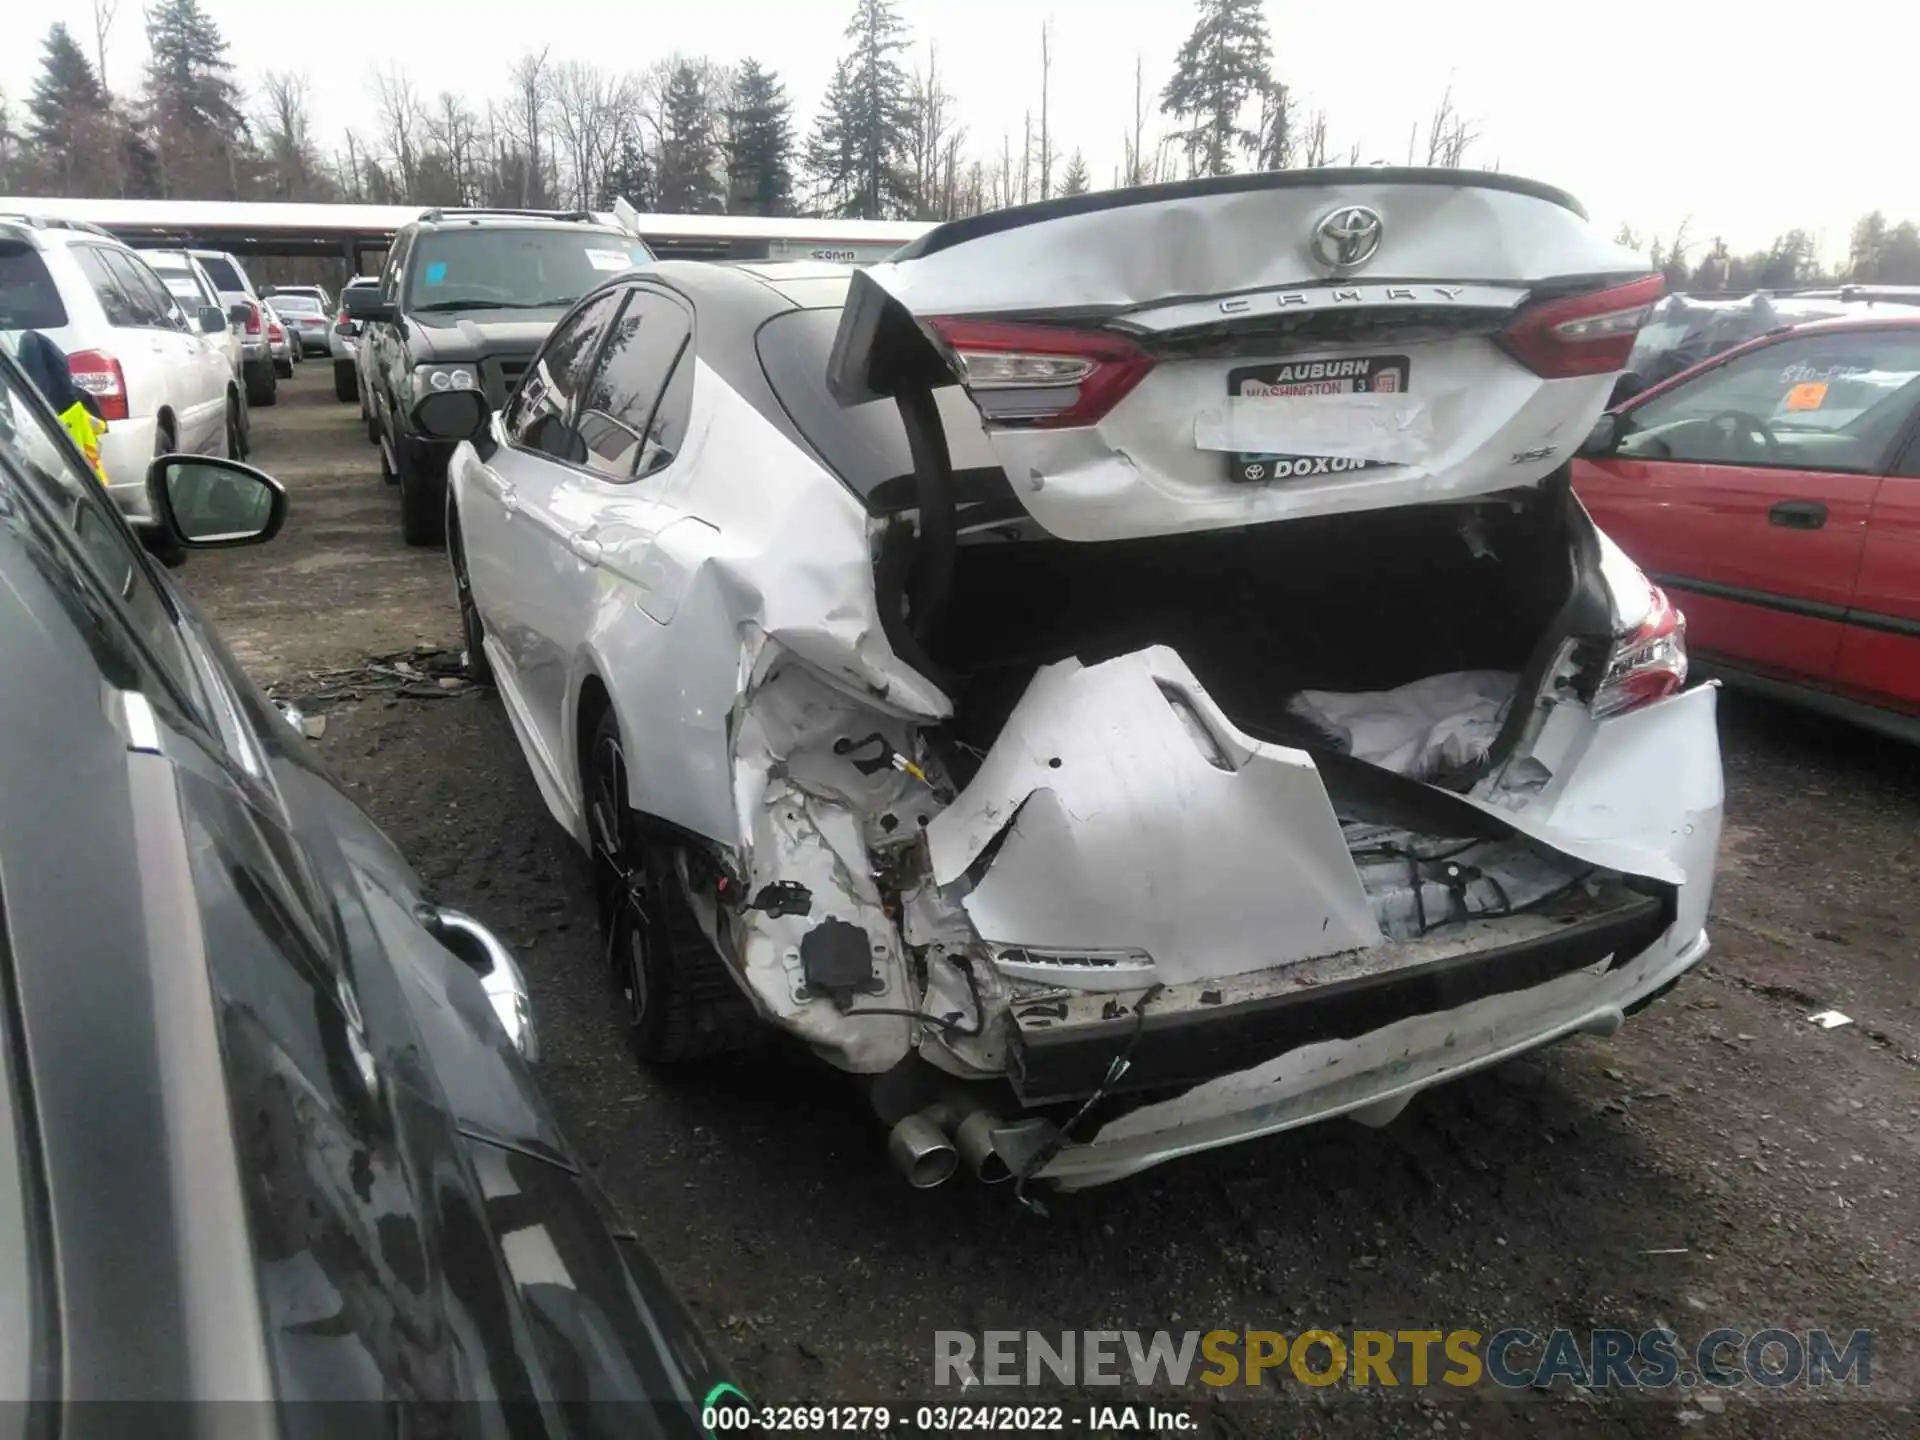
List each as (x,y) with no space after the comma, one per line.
(1346,239)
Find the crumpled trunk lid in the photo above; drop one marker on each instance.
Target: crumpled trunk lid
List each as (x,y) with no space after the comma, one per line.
(1302,342)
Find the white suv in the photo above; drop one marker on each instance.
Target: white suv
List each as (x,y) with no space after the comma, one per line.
(158,372)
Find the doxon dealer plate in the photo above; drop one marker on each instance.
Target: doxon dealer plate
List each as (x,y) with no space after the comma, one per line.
(1350,375)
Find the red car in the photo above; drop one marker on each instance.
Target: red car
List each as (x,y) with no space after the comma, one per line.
(1774,491)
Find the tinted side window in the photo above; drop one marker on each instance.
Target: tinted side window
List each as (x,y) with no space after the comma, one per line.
(138,279)
(29,300)
(538,415)
(865,445)
(396,266)
(220,270)
(625,426)
(46,459)
(107,287)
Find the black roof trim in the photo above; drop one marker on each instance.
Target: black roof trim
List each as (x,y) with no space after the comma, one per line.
(974,227)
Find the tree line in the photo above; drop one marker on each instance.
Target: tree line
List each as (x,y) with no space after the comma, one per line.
(1878,252)
(687,134)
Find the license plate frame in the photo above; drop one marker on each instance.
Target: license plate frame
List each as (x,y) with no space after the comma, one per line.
(1311,377)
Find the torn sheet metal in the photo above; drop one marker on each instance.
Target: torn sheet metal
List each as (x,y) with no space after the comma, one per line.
(815,821)
(1125,831)
(1393,429)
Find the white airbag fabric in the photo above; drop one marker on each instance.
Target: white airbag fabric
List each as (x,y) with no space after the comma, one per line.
(1395,429)
(1441,723)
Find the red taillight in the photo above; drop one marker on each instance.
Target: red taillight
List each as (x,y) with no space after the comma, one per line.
(253,318)
(274,332)
(1040,375)
(1589,334)
(99,374)
(1647,662)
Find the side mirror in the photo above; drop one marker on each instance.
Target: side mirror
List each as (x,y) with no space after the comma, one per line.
(238,312)
(452,415)
(1603,437)
(506,988)
(212,319)
(207,503)
(364,304)
(1630,384)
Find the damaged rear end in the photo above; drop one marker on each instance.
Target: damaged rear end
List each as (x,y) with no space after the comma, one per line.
(1304,743)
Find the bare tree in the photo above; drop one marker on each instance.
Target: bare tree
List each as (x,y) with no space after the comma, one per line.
(397,107)
(454,131)
(1046,133)
(1449,136)
(103,13)
(1135,161)
(1313,145)
(287,132)
(933,145)
(526,124)
(589,109)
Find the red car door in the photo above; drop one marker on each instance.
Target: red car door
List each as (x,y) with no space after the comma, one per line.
(1745,489)
(1880,652)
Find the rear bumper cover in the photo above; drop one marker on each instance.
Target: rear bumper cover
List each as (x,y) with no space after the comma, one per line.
(1373,1077)
(1192,1045)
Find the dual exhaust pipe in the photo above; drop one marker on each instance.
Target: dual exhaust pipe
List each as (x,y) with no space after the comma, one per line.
(931,1144)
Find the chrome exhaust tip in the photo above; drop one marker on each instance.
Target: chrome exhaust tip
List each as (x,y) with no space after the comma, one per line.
(920,1150)
(973,1138)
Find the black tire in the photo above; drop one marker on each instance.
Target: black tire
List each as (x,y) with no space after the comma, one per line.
(473,630)
(283,368)
(159,542)
(344,386)
(423,504)
(671,989)
(262,385)
(236,435)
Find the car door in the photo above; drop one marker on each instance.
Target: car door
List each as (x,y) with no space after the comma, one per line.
(379,340)
(1880,651)
(1746,490)
(527,578)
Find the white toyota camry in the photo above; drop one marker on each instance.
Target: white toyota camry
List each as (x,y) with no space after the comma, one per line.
(1127,674)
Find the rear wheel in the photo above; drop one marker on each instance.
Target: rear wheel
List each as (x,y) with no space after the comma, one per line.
(344,386)
(672,990)
(158,540)
(283,368)
(473,629)
(262,385)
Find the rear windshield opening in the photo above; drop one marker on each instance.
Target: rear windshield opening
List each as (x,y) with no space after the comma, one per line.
(865,445)
(29,299)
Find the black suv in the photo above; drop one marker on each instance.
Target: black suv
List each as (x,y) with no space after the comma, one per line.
(464,301)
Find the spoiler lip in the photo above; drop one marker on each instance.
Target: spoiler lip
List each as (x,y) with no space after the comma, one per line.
(993,222)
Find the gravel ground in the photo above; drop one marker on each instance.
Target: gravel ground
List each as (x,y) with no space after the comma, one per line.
(1720,1162)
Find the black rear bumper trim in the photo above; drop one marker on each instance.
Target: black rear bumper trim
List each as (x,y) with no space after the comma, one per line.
(1183,1048)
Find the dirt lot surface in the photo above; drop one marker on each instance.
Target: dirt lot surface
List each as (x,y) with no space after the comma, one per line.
(1720,1162)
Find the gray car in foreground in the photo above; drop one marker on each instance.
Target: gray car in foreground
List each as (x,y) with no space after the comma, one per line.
(267,1127)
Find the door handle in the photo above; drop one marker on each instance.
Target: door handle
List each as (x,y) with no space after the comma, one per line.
(587,550)
(1798,514)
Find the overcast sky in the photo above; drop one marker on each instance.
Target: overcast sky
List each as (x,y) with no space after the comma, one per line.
(1647,111)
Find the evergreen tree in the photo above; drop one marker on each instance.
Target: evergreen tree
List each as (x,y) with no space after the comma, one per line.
(189,77)
(1223,64)
(858,151)
(66,95)
(1075,181)
(759,144)
(689,182)
(628,175)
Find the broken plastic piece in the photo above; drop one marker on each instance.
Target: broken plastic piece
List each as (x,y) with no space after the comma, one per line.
(1830,1019)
